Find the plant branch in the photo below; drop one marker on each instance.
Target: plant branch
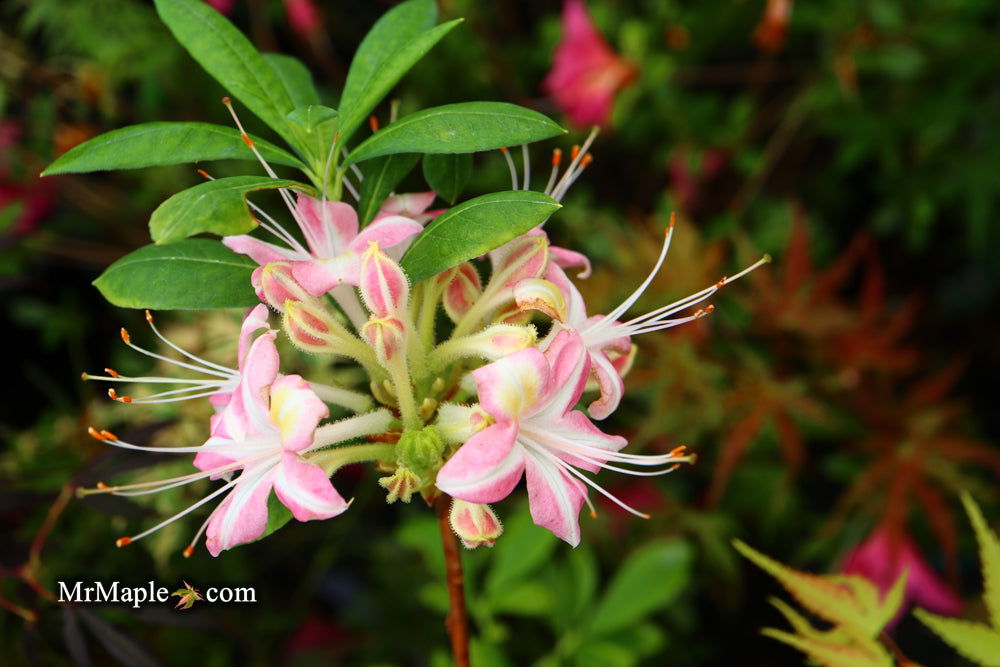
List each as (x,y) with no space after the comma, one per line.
(457,621)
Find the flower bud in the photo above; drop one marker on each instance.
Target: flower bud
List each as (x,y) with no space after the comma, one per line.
(462,289)
(492,343)
(526,257)
(542,295)
(383,284)
(475,524)
(310,327)
(401,485)
(275,285)
(421,450)
(386,335)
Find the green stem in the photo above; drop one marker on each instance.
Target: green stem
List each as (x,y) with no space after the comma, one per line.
(331,460)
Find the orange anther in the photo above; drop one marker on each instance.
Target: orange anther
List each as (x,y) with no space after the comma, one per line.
(108,435)
(115,397)
(126,337)
(94,433)
(673,219)
(247,140)
(575,152)
(373,123)
(102,486)
(556,157)
(645,516)
(204,174)
(593,514)
(709,309)
(123,542)
(503,149)
(149,317)
(227,100)
(674,467)
(112,372)
(188,550)
(721,282)
(587,159)
(678,451)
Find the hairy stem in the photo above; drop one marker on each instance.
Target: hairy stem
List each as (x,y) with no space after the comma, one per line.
(457,621)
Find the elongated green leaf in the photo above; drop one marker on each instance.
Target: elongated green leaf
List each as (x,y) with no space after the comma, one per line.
(390,34)
(989,556)
(358,101)
(382,175)
(447,174)
(977,642)
(523,549)
(458,128)
(311,116)
(218,207)
(475,227)
(153,144)
(191,274)
(230,58)
(295,78)
(648,580)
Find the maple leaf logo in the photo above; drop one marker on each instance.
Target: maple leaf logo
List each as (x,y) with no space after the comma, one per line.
(188,596)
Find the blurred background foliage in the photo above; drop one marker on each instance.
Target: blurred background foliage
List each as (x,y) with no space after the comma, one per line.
(847,389)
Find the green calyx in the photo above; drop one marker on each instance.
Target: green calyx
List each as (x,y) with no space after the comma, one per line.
(420,450)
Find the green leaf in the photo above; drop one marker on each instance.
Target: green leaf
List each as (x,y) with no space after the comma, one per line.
(523,549)
(648,580)
(447,174)
(604,654)
(834,655)
(311,116)
(382,175)
(153,144)
(230,58)
(295,78)
(975,641)
(989,555)
(851,601)
(525,598)
(191,274)
(384,56)
(458,128)
(218,207)
(473,228)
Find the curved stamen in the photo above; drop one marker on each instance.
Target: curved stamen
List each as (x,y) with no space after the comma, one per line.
(527,167)
(592,484)
(510,165)
(125,541)
(193,357)
(208,371)
(556,161)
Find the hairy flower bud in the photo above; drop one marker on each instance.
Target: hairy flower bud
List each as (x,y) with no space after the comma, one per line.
(474,523)
(462,289)
(421,450)
(275,285)
(386,335)
(311,327)
(383,284)
(401,485)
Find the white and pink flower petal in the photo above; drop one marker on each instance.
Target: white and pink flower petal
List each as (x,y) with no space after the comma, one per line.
(486,468)
(242,516)
(329,226)
(306,490)
(554,498)
(296,411)
(512,386)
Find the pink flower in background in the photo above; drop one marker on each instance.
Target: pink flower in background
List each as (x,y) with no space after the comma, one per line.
(586,74)
(884,555)
(222,6)
(304,17)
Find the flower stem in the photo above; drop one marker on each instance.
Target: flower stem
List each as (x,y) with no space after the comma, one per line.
(457,621)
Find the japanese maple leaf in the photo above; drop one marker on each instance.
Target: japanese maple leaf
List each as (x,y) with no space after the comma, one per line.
(188,596)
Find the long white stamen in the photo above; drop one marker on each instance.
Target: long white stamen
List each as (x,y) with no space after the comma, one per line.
(592,484)
(278,230)
(556,160)
(527,167)
(354,167)
(560,190)
(216,493)
(351,189)
(193,357)
(627,303)
(511,167)
(176,362)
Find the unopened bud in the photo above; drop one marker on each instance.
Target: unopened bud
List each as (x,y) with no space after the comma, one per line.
(421,450)
(475,524)
(542,295)
(386,335)
(383,284)
(462,289)
(401,485)
(275,285)
(526,257)
(310,327)
(457,423)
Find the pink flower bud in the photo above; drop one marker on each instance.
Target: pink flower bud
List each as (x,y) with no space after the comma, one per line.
(275,285)
(383,284)
(386,335)
(526,258)
(475,524)
(462,289)
(310,327)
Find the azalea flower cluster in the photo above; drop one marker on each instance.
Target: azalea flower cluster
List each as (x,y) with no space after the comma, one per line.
(466,409)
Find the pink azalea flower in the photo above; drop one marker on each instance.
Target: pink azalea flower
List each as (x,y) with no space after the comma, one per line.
(608,341)
(586,74)
(334,242)
(222,6)
(530,396)
(304,17)
(883,557)
(264,431)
